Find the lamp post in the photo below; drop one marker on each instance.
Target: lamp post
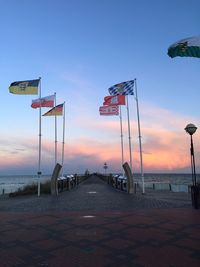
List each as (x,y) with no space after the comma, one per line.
(105,166)
(191,129)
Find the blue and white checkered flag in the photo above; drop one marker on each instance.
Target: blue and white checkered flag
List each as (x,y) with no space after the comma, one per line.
(125,88)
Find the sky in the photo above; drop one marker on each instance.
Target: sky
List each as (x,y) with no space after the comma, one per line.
(80,48)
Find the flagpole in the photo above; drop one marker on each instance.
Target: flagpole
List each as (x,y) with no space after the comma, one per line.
(40,142)
(63,144)
(55,132)
(129,133)
(122,145)
(140,141)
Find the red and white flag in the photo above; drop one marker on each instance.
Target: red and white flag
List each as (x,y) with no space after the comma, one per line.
(47,101)
(114,100)
(109,110)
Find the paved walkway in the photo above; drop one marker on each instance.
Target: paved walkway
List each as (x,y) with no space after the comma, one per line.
(96,226)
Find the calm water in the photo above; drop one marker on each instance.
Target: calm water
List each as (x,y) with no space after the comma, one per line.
(176,178)
(175,182)
(179,182)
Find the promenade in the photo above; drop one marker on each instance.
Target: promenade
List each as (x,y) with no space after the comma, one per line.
(95,225)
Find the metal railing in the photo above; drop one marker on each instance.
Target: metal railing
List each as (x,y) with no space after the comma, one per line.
(117,181)
(70,181)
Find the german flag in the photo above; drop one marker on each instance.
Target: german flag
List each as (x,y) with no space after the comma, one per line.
(29,87)
(56,111)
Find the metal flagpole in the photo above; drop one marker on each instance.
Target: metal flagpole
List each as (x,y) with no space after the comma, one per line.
(122,145)
(63,144)
(40,136)
(140,142)
(55,130)
(129,133)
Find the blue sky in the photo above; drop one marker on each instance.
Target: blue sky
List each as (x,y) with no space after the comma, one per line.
(80,48)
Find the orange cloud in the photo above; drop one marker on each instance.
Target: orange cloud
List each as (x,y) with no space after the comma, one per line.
(165,145)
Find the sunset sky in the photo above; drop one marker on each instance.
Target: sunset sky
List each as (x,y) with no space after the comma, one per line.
(80,48)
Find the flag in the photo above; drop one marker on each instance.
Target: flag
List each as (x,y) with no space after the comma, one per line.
(114,100)
(188,47)
(24,87)
(47,101)
(125,88)
(56,111)
(109,110)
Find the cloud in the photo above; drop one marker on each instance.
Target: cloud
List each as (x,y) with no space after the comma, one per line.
(154,116)
(164,142)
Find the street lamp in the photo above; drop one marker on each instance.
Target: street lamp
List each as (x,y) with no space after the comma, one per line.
(191,129)
(105,166)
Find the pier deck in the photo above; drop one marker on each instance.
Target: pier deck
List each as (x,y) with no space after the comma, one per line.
(95,225)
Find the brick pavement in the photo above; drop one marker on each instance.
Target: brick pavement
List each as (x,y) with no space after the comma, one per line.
(97,226)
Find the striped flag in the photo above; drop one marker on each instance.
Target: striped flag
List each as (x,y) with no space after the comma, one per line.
(114,100)
(125,88)
(29,87)
(47,101)
(56,111)
(109,110)
(188,47)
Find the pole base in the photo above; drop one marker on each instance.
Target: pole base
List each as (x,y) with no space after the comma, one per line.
(195,196)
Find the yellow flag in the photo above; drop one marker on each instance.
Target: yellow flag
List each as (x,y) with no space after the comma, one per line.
(29,87)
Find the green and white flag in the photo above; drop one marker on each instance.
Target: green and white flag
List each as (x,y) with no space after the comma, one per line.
(188,47)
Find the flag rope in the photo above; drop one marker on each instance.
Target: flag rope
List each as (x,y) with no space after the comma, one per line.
(140,137)
(122,143)
(129,133)
(56,142)
(40,142)
(63,143)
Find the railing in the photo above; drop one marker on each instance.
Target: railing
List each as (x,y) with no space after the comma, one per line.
(117,181)
(69,182)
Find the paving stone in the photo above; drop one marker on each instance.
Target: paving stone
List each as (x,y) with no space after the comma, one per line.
(108,228)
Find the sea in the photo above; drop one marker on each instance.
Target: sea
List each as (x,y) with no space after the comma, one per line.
(11,183)
(177,182)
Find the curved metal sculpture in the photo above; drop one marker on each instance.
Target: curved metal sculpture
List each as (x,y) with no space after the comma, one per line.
(130,187)
(54,179)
